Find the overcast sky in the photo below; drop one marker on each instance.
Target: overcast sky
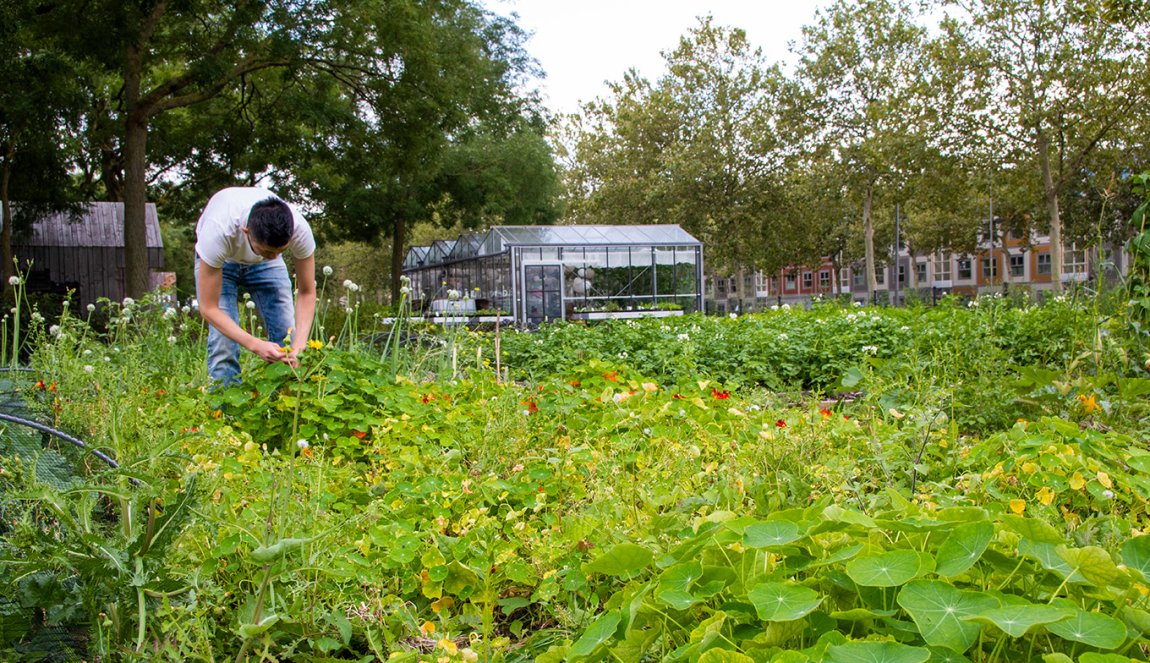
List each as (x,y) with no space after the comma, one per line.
(580,44)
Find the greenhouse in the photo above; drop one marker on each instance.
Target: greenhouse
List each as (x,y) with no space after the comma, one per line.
(536,274)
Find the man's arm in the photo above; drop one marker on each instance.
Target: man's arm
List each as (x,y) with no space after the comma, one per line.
(209,282)
(304,302)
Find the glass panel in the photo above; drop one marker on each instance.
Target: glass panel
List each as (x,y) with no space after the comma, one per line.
(543,292)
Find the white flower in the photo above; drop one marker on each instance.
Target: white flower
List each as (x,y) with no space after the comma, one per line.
(870,349)
(327,270)
(247,296)
(169,313)
(54,330)
(87,351)
(91,307)
(684,337)
(13,280)
(302,444)
(347,283)
(88,368)
(404,280)
(786,307)
(171,339)
(36,317)
(774,307)
(348,310)
(251,305)
(453,294)
(857,304)
(405,291)
(1108,494)
(186,310)
(733,316)
(128,301)
(195,303)
(107,359)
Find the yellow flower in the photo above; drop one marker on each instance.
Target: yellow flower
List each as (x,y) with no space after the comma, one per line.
(1077,481)
(315,344)
(1045,495)
(1088,403)
(1018,506)
(1104,479)
(427,628)
(1029,467)
(448,646)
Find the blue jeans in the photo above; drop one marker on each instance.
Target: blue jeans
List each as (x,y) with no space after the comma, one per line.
(271,290)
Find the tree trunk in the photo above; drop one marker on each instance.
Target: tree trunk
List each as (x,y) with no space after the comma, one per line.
(136,276)
(399,239)
(1051,193)
(868,242)
(9,267)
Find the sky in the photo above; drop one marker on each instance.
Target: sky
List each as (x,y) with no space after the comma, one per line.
(581,44)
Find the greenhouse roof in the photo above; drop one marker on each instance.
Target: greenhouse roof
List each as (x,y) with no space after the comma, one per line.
(500,238)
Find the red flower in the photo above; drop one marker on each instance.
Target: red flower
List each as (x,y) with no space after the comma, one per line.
(359,433)
(612,376)
(541,489)
(720,395)
(40,385)
(52,387)
(531,406)
(427,398)
(825,412)
(576,384)
(678,397)
(193,429)
(781,424)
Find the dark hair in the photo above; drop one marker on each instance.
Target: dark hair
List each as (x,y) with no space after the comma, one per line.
(271,223)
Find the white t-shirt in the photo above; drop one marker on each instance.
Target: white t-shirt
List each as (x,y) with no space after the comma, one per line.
(220,231)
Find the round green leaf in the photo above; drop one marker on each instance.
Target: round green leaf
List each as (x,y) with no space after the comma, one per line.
(1016,620)
(622,559)
(963,547)
(724,656)
(1095,657)
(674,587)
(1093,562)
(889,569)
(938,608)
(599,632)
(876,652)
(771,533)
(1090,628)
(776,602)
(1136,554)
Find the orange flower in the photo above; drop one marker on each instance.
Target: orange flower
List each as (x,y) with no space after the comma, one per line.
(1089,404)
(720,395)
(612,376)
(531,406)
(781,423)
(825,412)
(359,433)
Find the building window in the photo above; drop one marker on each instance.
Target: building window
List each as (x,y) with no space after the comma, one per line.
(1044,264)
(1074,260)
(858,277)
(964,269)
(880,274)
(807,280)
(790,282)
(942,267)
(901,274)
(1017,265)
(824,280)
(721,285)
(990,267)
(920,272)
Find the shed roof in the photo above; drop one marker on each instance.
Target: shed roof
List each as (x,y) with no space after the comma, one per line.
(99,224)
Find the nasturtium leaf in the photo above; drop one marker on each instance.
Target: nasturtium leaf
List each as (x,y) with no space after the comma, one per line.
(962,547)
(621,559)
(836,513)
(944,655)
(724,656)
(889,569)
(674,588)
(1046,554)
(1136,619)
(1095,657)
(1016,620)
(1032,529)
(938,608)
(602,630)
(1136,554)
(1094,563)
(876,652)
(1090,628)
(962,514)
(771,533)
(790,656)
(776,602)
(859,614)
(1056,657)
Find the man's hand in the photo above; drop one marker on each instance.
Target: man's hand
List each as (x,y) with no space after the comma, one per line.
(272,352)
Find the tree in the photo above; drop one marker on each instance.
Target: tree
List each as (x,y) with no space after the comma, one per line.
(697,149)
(858,102)
(1050,81)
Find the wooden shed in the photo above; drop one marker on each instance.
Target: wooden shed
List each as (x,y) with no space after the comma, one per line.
(85,253)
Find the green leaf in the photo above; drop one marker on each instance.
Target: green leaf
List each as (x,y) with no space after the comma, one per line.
(1095,657)
(1136,554)
(1057,657)
(771,533)
(724,656)
(889,569)
(602,630)
(851,378)
(1094,563)
(674,587)
(938,608)
(876,652)
(622,559)
(1032,529)
(963,547)
(776,602)
(1047,555)
(1016,620)
(1090,628)
(859,614)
